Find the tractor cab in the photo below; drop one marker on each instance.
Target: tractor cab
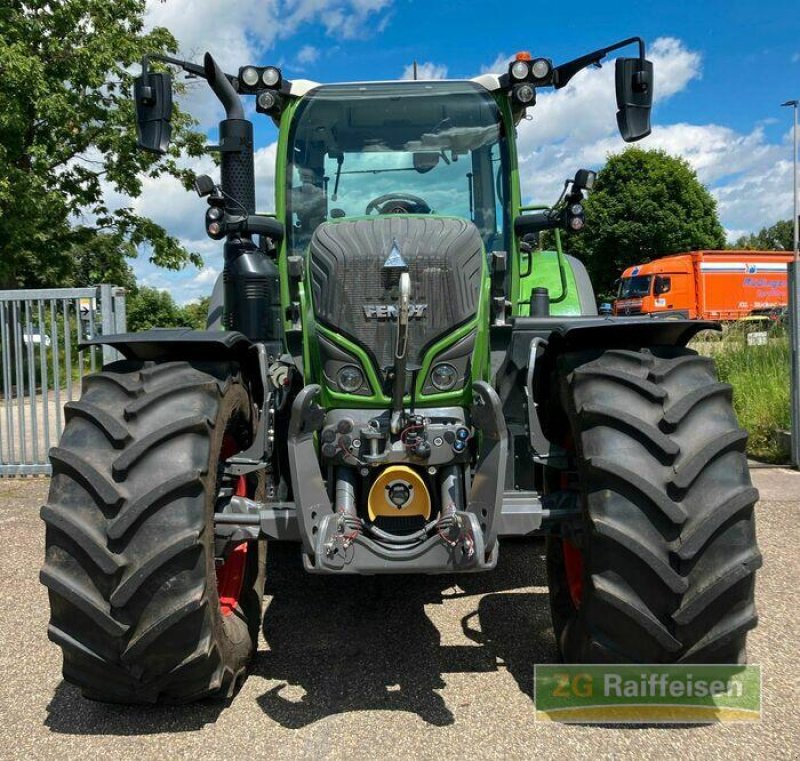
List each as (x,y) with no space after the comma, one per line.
(425,148)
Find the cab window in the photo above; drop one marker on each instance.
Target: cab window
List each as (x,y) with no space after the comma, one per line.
(635,287)
(663,284)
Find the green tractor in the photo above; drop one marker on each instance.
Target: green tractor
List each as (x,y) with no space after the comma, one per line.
(393,379)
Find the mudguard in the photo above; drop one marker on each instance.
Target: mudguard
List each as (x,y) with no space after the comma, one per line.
(526,351)
(176,343)
(576,333)
(186,345)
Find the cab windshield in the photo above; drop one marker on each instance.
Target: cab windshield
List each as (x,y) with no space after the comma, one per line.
(635,287)
(410,147)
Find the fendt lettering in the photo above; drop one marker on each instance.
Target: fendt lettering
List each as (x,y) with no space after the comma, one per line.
(389,311)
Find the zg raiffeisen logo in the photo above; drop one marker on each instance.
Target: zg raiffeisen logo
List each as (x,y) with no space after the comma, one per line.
(648,694)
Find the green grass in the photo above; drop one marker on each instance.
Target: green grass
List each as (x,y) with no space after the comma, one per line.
(760,379)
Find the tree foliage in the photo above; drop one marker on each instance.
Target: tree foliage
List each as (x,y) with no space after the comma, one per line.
(646,204)
(153,308)
(96,258)
(67,135)
(195,314)
(779,236)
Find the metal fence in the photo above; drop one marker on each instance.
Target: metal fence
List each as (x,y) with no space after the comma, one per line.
(43,364)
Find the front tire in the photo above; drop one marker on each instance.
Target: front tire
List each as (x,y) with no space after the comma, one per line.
(130,552)
(661,567)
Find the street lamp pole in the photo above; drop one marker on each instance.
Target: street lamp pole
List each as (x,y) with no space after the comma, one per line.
(794,303)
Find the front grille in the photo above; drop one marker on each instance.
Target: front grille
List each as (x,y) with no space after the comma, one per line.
(444,258)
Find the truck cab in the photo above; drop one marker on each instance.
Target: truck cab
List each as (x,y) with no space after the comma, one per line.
(665,285)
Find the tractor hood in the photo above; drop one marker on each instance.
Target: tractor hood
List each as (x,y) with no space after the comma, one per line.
(355,268)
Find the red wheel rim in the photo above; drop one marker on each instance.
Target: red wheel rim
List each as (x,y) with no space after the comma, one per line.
(230,575)
(573,566)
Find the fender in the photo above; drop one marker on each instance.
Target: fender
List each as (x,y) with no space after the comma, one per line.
(176,343)
(526,351)
(576,333)
(185,344)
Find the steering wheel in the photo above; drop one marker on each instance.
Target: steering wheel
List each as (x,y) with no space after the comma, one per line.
(398,203)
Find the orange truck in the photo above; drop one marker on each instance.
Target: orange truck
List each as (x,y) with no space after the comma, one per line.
(714,285)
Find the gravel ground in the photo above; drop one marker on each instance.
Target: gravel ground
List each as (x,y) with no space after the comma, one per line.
(394,667)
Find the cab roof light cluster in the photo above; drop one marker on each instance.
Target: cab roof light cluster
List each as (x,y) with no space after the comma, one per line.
(265,83)
(526,74)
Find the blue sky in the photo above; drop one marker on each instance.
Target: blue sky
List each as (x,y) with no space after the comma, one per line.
(722,70)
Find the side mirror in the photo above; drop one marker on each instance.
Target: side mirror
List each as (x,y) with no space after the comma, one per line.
(152,92)
(634,80)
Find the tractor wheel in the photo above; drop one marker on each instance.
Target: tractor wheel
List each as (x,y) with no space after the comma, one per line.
(140,606)
(661,566)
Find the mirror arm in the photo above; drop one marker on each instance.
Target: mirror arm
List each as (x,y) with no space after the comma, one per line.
(566,71)
(221,83)
(188,66)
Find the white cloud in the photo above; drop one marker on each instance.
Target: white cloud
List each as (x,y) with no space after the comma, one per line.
(239,32)
(425,70)
(498,66)
(206,276)
(245,31)
(307,54)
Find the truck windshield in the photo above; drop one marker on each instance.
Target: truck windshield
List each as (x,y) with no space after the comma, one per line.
(635,287)
(412,147)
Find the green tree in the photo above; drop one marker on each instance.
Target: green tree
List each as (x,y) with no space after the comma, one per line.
(646,204)
(151,308)
(779,236)
(100,258)
(195,314)
(67,135)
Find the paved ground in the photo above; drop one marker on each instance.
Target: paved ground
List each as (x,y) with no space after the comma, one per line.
(415,667)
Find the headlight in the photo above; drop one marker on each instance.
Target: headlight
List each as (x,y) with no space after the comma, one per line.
(541,68)
(519,69)
(524,93)
(270,76)
(444,377)
(350,379)
(249,76)
(576,208)
(266,100)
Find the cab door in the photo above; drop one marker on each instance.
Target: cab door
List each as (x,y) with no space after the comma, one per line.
(671,291)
